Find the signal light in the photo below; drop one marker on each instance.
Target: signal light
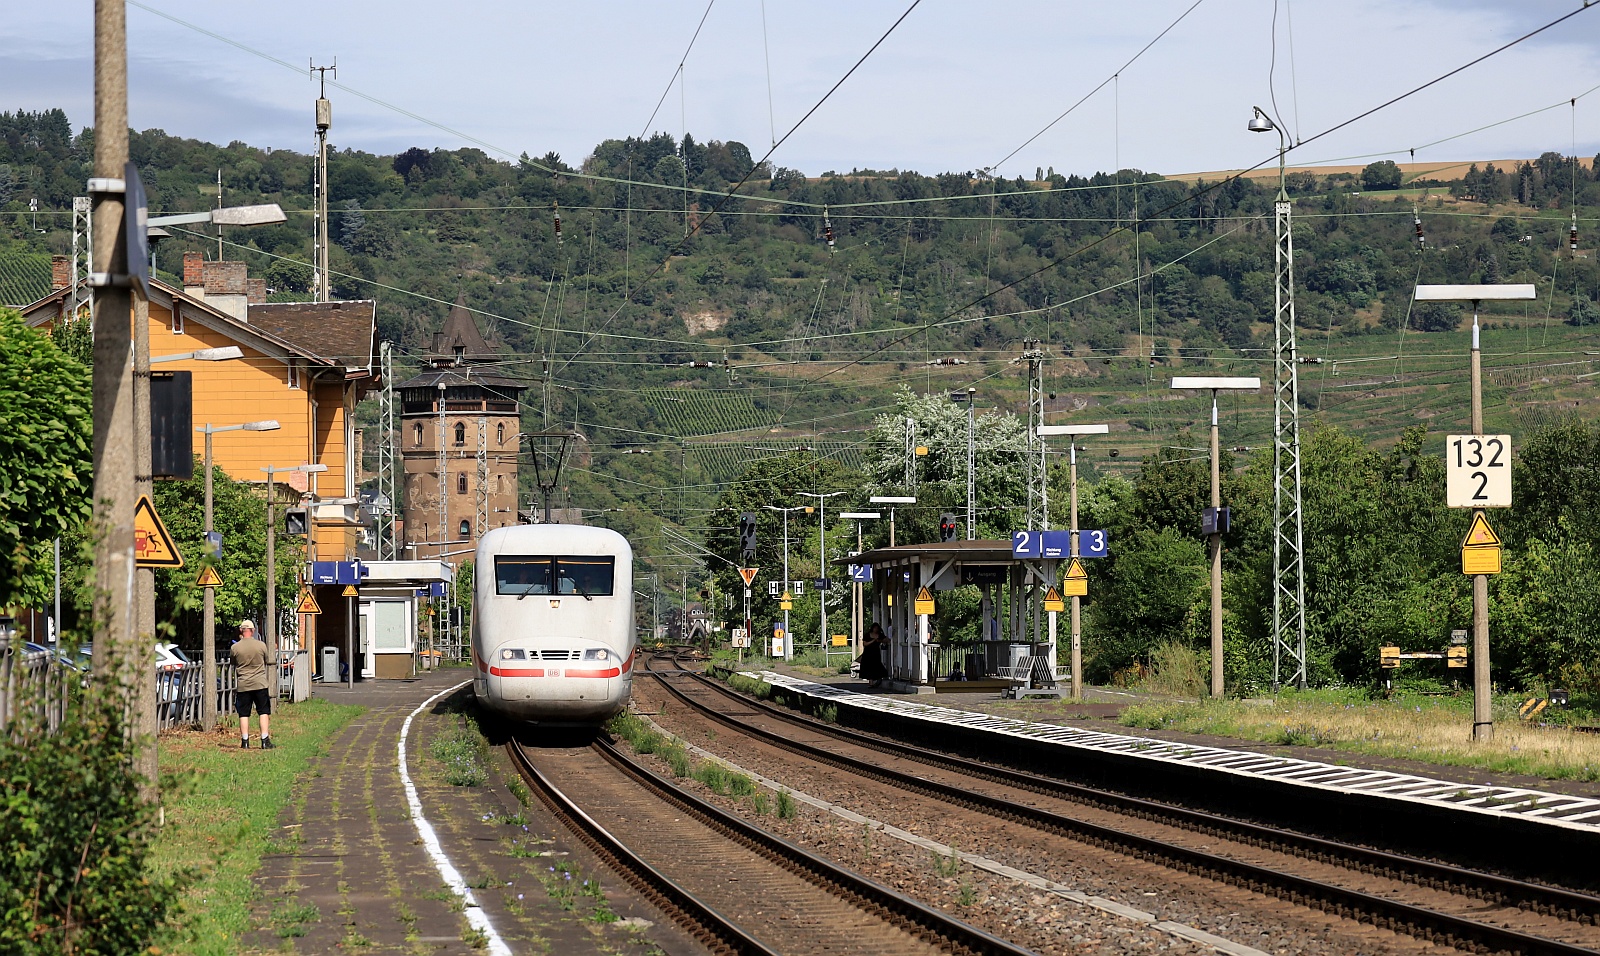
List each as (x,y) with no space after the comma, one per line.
(294,522)
(747,538)
(947,528)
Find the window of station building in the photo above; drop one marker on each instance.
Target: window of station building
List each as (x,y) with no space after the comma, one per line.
(461,433)
(291,374)
(466,530)
(591,575)
(416,434)
(177,319)
(461,484)
(500,433)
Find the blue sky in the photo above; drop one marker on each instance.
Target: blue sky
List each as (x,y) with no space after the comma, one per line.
(957,87)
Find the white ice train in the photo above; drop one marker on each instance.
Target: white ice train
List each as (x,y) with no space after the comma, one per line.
(552,626)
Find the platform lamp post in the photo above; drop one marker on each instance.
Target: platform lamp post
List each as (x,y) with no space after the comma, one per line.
(1216,526)
(1482,703)
(208,670)
(855,586)
(788,643)
(891,501)
(822,560)
(1044,431)
(970,396)
(271,631)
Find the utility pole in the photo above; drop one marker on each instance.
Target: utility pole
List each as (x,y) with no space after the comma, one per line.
(324,122)
(822,560)
(1217,524)
(1038,473)
(788,641)
(444,469)
(120,660)
(481,513)
(1288,532)
(1077,621)
(388,544)
(911,453)
(1482,688)
(856,617)
(972,454)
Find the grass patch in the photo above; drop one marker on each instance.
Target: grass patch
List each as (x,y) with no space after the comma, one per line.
(749,685)
(786,806)
(828,713)
(947,864)
(223,816)
(289,920)
(1420,727)
(464,754)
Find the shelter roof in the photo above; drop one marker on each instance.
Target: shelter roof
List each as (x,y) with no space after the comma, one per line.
(987,552)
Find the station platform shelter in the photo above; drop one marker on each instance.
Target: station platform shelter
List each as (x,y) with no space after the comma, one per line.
(383,625)
(1013,622)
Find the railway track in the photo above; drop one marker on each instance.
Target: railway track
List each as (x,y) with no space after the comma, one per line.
(1422,898)
(730,885)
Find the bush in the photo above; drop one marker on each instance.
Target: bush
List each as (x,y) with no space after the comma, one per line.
(74,876)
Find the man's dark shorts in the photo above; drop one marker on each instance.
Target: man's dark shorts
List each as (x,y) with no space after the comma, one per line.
(261,699)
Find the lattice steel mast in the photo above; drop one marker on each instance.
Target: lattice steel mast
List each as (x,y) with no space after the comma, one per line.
(1038,473)
(389,502)
(1288,545)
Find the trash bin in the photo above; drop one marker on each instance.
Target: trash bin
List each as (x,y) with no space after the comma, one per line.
(330,665)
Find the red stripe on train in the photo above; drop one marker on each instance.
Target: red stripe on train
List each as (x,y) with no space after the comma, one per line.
(517,671)
(608,672)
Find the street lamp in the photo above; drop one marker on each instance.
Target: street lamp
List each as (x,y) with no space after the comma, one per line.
(788,643)
(891,501)
(208,672)
(272,561)
(822,561)
(970,396)
(1042,432)
(202,355)
(855,586)
(1482,712)
(1216,384)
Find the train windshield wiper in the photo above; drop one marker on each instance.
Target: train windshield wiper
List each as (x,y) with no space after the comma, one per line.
(578,586)
(528,590)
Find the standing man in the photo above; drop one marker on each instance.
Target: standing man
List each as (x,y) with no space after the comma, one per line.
(250,661)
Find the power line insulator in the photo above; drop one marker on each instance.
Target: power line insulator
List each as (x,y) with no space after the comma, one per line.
(1416,222)
(827,229)
(555,208)
(1572,235)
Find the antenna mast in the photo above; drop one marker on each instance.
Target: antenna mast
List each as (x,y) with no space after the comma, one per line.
(324,121)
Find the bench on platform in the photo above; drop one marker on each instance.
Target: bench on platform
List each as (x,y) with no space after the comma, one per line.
(1033,676)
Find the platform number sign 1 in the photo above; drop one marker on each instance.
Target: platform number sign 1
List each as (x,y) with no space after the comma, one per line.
(1478,471)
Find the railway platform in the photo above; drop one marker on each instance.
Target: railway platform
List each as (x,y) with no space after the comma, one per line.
(1433,810)
(354,871)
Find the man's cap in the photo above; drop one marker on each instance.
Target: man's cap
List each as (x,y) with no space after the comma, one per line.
(247,623)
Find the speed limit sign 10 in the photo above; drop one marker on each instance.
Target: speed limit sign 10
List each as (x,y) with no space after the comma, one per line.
(1478,471)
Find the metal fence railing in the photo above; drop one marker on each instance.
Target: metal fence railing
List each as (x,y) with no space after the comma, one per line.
(180,694)
(33,684)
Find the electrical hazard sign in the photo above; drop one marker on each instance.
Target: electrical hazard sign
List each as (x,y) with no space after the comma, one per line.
(152,543)
(209,578)
(1480,552)
(1480,535)
(308,603)
(1075,583)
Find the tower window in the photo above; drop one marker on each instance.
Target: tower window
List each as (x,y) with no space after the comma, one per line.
(466,530)
(461,433)
(500,433)
(416,434)
(461,484)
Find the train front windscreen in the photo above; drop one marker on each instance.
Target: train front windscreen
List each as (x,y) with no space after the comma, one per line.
(588,576)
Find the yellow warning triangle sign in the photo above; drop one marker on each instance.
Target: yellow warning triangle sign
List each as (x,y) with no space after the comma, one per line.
(209,578)
(1480,535)
(924,594)
(350,591)
(308,603)
(1052,600)
(1075,571)
(152,544)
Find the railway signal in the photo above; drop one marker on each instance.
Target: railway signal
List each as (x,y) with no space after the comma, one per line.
(947,528)
(747,538)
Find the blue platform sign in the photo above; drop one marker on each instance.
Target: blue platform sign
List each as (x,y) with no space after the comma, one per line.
(1055,544)
(861,573)
(1026,544)
(337,572)
(1092,544)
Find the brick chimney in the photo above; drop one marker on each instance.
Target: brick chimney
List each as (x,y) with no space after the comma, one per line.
(194,280)
(255,291)
(60,272)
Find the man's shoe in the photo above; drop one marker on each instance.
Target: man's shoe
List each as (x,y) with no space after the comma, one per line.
(267,744)
(244,742)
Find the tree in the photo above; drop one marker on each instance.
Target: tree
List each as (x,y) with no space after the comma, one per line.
(1383,174)
(1582,311)
(46,431)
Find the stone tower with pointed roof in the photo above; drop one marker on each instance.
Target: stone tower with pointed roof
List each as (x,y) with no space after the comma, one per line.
(460,424)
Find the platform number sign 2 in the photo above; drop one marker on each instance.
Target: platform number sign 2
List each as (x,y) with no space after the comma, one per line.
(1478,471)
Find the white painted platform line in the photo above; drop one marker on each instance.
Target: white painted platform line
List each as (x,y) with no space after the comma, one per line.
(478,919)
(1553,809)
(1180,930)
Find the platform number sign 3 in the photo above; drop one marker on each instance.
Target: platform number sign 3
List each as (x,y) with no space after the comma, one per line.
(1478,471)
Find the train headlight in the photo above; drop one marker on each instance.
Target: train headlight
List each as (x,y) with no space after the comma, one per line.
(511,654)
(596,654)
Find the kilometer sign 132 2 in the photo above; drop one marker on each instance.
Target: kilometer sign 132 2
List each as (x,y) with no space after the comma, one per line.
(1478,471)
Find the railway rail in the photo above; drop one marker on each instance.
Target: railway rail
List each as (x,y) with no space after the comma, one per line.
(729,884)
(1532,918)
